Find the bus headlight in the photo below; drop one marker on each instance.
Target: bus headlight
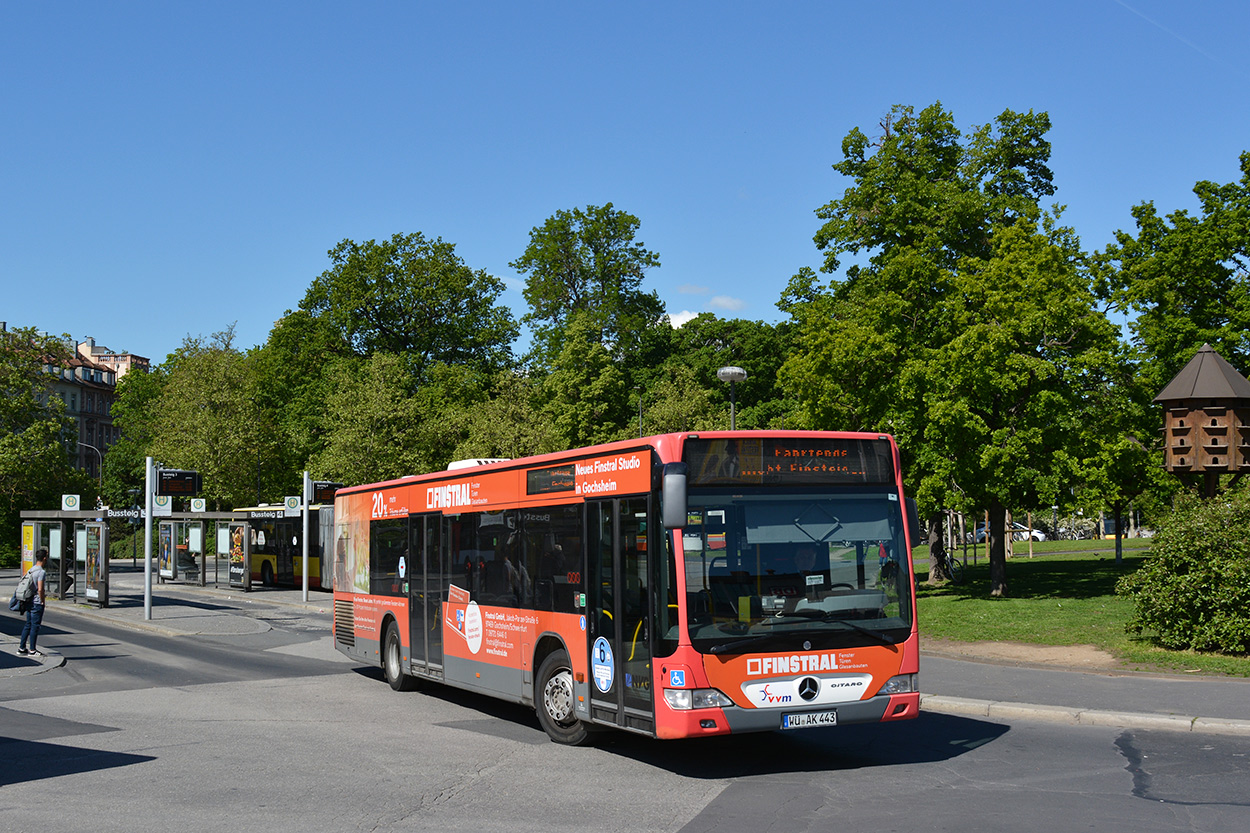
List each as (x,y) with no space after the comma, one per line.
(684,699)
(902,684)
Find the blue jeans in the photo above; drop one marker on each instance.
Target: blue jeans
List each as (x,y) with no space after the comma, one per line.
(34,618)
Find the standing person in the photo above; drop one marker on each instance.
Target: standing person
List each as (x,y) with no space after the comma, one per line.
(34,613)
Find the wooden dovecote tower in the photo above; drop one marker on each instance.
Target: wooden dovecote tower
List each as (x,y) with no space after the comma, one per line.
(1206,419)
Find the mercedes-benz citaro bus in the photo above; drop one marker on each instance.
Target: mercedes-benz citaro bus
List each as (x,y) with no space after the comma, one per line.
(674,586)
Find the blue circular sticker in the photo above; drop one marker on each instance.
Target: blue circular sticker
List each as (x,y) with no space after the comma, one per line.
(601,665)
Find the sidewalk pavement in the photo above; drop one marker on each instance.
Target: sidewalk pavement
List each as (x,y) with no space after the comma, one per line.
(965,686)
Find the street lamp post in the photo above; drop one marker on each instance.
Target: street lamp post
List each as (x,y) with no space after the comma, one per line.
(732,375)
(638,391)
(98,453)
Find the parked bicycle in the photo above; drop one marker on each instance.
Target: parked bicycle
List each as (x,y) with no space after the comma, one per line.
(945,564)
(954,567)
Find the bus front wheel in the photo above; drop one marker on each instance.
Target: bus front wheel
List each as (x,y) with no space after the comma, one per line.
(392,662)
(554,700)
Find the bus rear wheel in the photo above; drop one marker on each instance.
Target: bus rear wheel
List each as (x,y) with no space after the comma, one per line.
(555,701)
(392,661)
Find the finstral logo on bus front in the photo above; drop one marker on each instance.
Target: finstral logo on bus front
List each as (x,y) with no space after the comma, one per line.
(793,664)
(450,496)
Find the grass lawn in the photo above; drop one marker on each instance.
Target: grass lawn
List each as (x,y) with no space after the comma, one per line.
(1064,595)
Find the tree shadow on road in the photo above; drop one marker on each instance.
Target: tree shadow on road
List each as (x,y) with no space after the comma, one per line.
(1069,577)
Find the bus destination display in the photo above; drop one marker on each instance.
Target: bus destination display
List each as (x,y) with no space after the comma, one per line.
(174,483)
(550,481)
(776,460)
(323,491)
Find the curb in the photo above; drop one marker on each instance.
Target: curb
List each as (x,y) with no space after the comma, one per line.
(1000,710)
(51,659)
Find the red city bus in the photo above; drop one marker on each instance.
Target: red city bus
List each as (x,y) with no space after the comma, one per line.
(674,586)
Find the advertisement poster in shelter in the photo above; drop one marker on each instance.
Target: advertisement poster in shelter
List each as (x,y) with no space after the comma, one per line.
(239,573)
(94,566)
(165,550)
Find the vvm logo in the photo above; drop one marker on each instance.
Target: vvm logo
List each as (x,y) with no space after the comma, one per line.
(767,696)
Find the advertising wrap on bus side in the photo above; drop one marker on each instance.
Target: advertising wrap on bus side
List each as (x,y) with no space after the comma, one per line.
(779,597)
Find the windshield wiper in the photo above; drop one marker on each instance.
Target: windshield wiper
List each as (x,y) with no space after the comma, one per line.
(723,647)
(830,617)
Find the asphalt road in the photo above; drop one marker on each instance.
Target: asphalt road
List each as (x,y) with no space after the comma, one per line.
(269,728)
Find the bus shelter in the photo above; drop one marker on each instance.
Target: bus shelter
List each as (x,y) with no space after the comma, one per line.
(190,548)
(203,548)
(78,552)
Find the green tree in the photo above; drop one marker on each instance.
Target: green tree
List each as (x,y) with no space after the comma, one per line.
(385,425)
(209,418)
(967,330)
(681,401)
(134,412)
(707,343)
(416,298)
(1006,419)
(1118,427)
(293,382)
(585,397)
(509,423)
(1185,279)
(36,435)
(587,263)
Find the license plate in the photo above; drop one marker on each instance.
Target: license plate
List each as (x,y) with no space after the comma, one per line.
(802,721)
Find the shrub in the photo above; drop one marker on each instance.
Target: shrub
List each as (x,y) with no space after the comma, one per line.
(1193,592)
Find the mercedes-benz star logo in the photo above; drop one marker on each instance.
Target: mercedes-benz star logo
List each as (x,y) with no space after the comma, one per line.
(809,687)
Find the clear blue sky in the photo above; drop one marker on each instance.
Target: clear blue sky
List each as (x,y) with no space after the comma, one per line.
(169,168)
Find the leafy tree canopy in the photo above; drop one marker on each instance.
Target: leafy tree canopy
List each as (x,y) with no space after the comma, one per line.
(587,262)
(384,426)
(134,410)
(509,423)
(585,397)
(416,298)
(1186,279)
(209,418)
(967,329)
(36,435)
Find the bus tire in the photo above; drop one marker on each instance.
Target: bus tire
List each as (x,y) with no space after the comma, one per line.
(266,574)
(392,661)
(555,701)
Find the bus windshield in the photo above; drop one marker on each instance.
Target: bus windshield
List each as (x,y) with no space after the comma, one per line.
(768,569)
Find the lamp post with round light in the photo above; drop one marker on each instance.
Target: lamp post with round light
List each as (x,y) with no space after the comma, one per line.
(732,375)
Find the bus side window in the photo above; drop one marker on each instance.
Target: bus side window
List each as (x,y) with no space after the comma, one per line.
(553,546)
(388,543)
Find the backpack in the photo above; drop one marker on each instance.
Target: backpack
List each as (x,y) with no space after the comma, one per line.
(26,587)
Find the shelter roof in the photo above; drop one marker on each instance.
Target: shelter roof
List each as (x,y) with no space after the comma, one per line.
(1207,376)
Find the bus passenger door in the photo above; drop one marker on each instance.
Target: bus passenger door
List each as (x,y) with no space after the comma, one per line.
(424,589)
(618,613)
